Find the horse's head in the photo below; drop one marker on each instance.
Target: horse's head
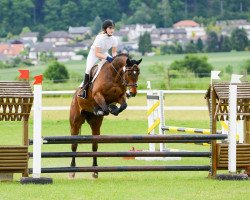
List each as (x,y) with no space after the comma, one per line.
(131,73)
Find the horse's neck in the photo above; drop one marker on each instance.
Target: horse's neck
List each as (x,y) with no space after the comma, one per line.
(117,73)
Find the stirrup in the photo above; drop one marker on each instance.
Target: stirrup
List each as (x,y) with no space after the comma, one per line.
(83,95)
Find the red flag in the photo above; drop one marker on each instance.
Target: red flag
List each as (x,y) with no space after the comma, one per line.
(24,74)
(38,79)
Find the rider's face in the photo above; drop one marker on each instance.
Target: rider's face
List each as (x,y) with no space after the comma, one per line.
(110,30)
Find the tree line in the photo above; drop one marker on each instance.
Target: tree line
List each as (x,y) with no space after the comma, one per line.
(237,41)
(44,16)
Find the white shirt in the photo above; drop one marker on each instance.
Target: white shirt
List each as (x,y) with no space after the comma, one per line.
(104,42)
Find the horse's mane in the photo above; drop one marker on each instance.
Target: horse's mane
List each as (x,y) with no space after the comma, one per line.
(121,54)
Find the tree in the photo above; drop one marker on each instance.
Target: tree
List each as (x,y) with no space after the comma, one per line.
(52,13)
(212,42)
(225,44)
(69,14)
(142,15)
(239,39)
(246,66)
(191,47)
(165,13)
(25,30)
(145,43)
(197,65)
(56,72)
(97,25)
(199,45)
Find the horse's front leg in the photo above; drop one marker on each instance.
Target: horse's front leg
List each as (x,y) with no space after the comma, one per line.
(99,99)
(95,123)
(115,110)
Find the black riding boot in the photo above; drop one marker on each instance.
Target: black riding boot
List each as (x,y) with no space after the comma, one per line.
(85,87)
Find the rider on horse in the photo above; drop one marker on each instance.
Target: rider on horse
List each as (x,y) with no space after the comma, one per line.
(99,51)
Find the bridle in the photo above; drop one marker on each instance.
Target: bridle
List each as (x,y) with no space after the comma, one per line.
(125,69)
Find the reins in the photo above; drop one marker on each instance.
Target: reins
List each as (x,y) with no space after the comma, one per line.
(124,82)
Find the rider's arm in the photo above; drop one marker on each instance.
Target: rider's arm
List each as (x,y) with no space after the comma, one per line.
(114,51)
(99,54)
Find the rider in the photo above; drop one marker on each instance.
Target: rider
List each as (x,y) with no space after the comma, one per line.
(99,51)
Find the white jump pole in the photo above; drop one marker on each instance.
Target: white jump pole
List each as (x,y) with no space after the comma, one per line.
(232,128)
(162,118)
(37,137)
(232,123)
(37,131)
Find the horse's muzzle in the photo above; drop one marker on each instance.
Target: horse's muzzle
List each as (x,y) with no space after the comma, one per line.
(133,91)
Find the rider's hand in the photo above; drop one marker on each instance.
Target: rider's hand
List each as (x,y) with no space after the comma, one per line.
(109,59)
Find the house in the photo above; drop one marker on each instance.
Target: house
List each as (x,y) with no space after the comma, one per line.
(162,36)
(83,45)
(79,32)
(193,29)
(11,50)
(3,57)
(39,48)
(30,36)
(227,26)
(61,53)
(169,33)
(246,26)
(127,47)
(134,31)
(121,35)
(58,38)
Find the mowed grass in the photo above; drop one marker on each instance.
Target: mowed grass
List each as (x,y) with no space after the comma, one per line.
(76,69)
(119,185)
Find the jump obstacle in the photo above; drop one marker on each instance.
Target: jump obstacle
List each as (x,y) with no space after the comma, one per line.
(218,154)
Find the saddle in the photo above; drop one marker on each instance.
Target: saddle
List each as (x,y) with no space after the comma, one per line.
(94,72)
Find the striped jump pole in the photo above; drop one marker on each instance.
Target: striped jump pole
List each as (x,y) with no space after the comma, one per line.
(155,114)
(188,130)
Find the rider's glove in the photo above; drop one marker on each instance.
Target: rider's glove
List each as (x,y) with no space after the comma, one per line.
(109,59)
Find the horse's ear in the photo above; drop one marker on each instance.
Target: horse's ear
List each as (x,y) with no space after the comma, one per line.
(128,62)
(139,61)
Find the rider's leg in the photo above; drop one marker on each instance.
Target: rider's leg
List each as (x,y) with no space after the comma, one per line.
(91,59)
(85,87)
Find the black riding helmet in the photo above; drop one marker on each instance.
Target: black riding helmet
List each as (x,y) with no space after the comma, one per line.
(107,23)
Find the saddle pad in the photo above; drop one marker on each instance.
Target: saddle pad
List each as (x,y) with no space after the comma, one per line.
(96,72)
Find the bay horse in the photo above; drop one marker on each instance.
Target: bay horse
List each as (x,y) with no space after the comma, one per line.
(109,88)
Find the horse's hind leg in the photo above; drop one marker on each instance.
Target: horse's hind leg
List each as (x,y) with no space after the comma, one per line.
(95,123)
(76,121)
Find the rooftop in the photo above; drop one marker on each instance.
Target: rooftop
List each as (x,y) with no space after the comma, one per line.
(186,23)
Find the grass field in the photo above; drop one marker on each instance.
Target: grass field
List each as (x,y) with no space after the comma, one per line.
(122,185)
(76,69)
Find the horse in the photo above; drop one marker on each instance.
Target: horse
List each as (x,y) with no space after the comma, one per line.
(109,88)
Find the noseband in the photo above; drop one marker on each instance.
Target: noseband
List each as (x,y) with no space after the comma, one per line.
(125,69)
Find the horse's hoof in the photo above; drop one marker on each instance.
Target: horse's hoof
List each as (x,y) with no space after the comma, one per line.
(72,175)
(95,175)
(99,113)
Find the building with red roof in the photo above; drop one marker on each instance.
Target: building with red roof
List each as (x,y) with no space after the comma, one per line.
(186,24)
(11,50)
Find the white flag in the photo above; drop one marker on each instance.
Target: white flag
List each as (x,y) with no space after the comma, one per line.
(215,75)
(235,78)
